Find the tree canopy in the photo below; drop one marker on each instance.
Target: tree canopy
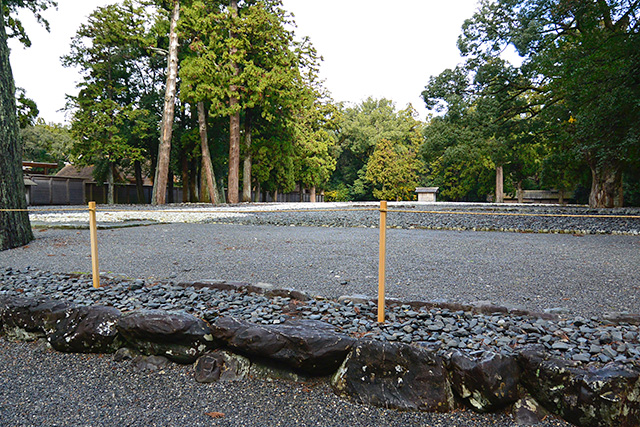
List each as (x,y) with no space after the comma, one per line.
(370,125)
(576,89)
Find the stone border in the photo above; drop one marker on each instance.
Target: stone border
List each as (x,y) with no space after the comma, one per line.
(530,382)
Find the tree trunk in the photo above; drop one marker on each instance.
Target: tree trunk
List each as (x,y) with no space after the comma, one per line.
(15,229)
(204,196)
(234,124)
(193,179)
(164,151)
(246,170)
(170,187)
(110,185)
(605,187)
(137,167)
(520,193)
(312,194)
(258,194)
(184,163)
(499,185)
(234,156)
(275,196)
(561,197)
(207,166)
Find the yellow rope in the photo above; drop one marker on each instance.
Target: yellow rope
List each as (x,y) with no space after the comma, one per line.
(238,211)
(517,214)
(218,210)
(44,210)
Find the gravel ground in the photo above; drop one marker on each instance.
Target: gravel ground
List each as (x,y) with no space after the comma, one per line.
(449,216)
(584,274)
(40,387)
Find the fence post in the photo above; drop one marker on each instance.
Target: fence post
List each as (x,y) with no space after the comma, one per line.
(93,231)
(381,265)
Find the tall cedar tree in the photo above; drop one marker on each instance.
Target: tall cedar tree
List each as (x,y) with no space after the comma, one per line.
(166,127)
(15,229)
(108,119)
(245,64)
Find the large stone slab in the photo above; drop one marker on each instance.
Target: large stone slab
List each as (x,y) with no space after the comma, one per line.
(485,383)
(396,376)
(83,329)
(586,396)
(309,345)
(23,318)
(180,337)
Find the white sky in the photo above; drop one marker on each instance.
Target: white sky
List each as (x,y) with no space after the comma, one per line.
(370,48)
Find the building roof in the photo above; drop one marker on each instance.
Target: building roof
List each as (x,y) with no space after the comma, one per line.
(72,171)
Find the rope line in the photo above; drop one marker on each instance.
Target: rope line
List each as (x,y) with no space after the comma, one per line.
(516,214)
(44,210)
(239,211)
(253,211)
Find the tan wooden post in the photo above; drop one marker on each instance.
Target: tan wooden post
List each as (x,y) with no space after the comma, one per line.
(383,256)
(93,230)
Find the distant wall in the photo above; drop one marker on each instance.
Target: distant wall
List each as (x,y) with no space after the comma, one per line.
(540,196)
(125,194)
(55,190)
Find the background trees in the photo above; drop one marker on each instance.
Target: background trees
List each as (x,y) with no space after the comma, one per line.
(563,114)
(244,64)
(46,142)
(577,81)
(112,116)
(365,127)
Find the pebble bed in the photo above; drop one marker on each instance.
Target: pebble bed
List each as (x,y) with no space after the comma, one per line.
(582,340)
(436,216)
(536,219)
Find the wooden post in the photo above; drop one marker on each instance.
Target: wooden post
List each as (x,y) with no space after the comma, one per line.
(94,244)
(381,265)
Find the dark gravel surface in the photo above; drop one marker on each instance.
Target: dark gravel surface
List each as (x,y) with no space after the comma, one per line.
(474,216)
(40,387)
(583,274)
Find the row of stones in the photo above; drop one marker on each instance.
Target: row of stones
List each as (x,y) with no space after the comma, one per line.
(392,375)
(577,339)
(458,221)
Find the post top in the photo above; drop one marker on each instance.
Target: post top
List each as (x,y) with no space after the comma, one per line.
(427,189)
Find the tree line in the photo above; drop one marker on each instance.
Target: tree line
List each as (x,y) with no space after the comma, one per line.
(215,94)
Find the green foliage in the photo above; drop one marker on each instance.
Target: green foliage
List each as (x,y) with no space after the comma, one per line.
(113,114)
(393,169)
(577,82)
(260,49)
(44,142)
(316,124)
(254,58)
(456,162)
(27,109)
(340,194)
(362,128)
(13,24)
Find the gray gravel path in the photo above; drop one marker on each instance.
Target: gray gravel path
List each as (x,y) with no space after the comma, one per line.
(586,274)
(40,387)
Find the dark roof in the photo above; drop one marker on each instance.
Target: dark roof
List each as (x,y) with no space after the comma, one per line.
(72,171)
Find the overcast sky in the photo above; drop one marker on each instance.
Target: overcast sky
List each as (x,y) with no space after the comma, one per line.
(371,48)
